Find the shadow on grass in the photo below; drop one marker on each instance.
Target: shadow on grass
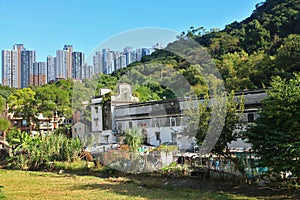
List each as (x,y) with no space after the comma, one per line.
(134,189)
(161,187)
(1,194)
(156,187)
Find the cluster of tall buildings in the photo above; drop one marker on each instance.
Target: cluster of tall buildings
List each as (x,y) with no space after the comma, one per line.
(20,68)
(108,61)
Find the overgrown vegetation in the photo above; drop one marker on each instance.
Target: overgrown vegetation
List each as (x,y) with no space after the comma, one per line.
(276,134)
(134,139)
(39,151)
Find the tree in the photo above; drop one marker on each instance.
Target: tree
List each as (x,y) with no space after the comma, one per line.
(45,98)
(199,120)
(257,37)
(287,56)
(22,103)
(234,111)
(5,91)
(4,125)
(275,136)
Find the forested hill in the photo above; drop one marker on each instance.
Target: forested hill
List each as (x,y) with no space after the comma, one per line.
(265,29)
(250,52)
(247,53)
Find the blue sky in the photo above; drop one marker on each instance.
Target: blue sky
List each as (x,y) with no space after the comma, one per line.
(46,25)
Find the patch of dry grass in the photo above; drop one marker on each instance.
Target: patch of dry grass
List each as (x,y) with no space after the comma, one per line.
(19,185)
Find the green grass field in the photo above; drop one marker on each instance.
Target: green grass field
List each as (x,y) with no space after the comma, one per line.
(43,185)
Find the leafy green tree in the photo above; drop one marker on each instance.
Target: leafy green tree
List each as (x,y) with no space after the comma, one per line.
(45,100)
(5,91)
(22,103)
(275,136)
(145,94)
(234,111)
(107,81)
(288,56)
(199,120)
(236,69)
(63,102)
(4,125)
(257,37)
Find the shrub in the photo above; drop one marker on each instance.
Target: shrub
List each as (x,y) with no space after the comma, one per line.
(36,152)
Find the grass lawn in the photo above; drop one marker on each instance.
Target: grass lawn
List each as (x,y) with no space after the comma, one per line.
(43,185)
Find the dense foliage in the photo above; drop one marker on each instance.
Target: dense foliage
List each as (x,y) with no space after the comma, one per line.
(276,133)
(37,152)
(268,34)
(214,124)
(134,139)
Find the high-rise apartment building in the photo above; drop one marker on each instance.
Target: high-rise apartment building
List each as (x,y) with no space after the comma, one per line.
(108,61)
(10,71)
(88,71)
(146,51)
(61,64)
(133,57)
(98,62)
(39,73)
(77,65)
(127,52)
(139,54)
(19,48)
(28,57)
(51,68)
(69,51)
(122,59)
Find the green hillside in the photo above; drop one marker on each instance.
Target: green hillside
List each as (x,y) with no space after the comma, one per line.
(250,52)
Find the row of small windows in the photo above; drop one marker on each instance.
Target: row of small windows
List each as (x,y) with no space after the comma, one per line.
(159,122)
(170,122)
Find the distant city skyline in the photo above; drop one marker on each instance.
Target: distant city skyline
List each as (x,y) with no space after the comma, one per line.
(45,26)
(20,69)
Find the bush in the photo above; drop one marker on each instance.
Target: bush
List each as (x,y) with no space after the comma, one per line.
(36,152)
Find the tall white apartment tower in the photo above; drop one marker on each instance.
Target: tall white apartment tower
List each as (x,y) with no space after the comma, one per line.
(10,72)
(61,64)
(69,51)
(19,48)
(51,68)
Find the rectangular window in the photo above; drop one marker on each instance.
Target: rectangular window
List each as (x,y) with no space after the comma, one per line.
(24,123)
(166,121)
(96,109)
(157,134)
(130,124)
(250,117)
(96,122)
(173,121)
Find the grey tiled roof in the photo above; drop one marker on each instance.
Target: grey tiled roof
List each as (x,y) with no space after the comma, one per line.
(253,97)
